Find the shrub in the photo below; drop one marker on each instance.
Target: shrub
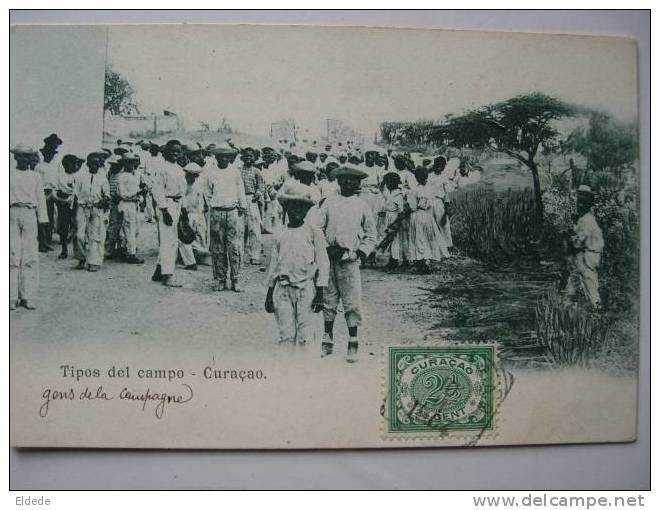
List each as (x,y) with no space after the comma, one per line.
(570,333)
(495,227)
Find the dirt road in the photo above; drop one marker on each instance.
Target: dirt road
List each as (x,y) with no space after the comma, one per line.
(121,305)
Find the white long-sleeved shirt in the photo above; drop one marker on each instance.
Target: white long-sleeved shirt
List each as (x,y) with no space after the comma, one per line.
(50,172)
(128,186)
(587,234)
(348,222)
(194,199)
(89,188)
(328,188)
(297,256)
(26,190)
(374,175)
(151,168)
(224,188)
(65,183)
(168,181)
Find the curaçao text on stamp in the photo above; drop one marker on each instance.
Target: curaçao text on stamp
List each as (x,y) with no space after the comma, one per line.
(441,388)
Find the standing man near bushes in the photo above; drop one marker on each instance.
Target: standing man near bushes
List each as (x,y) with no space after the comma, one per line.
(587,245)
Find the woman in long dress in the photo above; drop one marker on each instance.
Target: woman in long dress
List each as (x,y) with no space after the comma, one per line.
(394,205)
(437,181)
(426,243)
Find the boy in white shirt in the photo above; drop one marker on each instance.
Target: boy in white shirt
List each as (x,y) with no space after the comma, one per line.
(298,271)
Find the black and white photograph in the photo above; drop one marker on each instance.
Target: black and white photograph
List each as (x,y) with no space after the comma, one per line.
(316,237)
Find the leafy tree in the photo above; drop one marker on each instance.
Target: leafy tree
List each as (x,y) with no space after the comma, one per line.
(520,127)
(118,94)
(607,144)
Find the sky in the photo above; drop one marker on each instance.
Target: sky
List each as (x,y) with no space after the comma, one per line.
(56,83)
(255,75)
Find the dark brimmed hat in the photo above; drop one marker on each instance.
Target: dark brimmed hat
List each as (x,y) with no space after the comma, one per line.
(72,158)
(348,171)
(169,144)
(53,139)
(392,178)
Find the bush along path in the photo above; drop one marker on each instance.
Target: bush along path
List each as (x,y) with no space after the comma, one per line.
(477,302)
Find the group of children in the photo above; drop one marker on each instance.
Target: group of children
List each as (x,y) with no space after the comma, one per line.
(329,210)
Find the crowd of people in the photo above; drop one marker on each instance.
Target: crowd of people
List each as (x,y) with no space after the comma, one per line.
(332,208)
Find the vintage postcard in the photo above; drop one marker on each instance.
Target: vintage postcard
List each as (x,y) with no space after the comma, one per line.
(237,237)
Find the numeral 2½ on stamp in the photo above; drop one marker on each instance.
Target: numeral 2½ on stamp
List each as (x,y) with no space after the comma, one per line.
(441,388)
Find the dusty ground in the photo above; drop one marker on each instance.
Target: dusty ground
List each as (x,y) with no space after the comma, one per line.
(120,304)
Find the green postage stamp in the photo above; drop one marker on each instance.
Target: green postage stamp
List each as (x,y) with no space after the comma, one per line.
(441,388)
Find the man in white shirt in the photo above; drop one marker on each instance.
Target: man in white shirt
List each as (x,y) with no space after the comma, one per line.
(128,192)
(225,195)
(27,206)
(169,187)
(92,195)
(587,243)
(63,197)
(49,170)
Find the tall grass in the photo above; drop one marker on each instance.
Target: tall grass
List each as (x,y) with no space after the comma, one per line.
(571,334)
(495,227)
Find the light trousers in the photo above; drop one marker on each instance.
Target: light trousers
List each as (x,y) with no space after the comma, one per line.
(91,227)
(583,278)
(226,243)
(344,284)
(169,238)
(23,254)
(293,312)
(197,251)
(252,231)
(129,225)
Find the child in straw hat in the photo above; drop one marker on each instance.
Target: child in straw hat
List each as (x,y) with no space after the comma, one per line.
(298,271)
